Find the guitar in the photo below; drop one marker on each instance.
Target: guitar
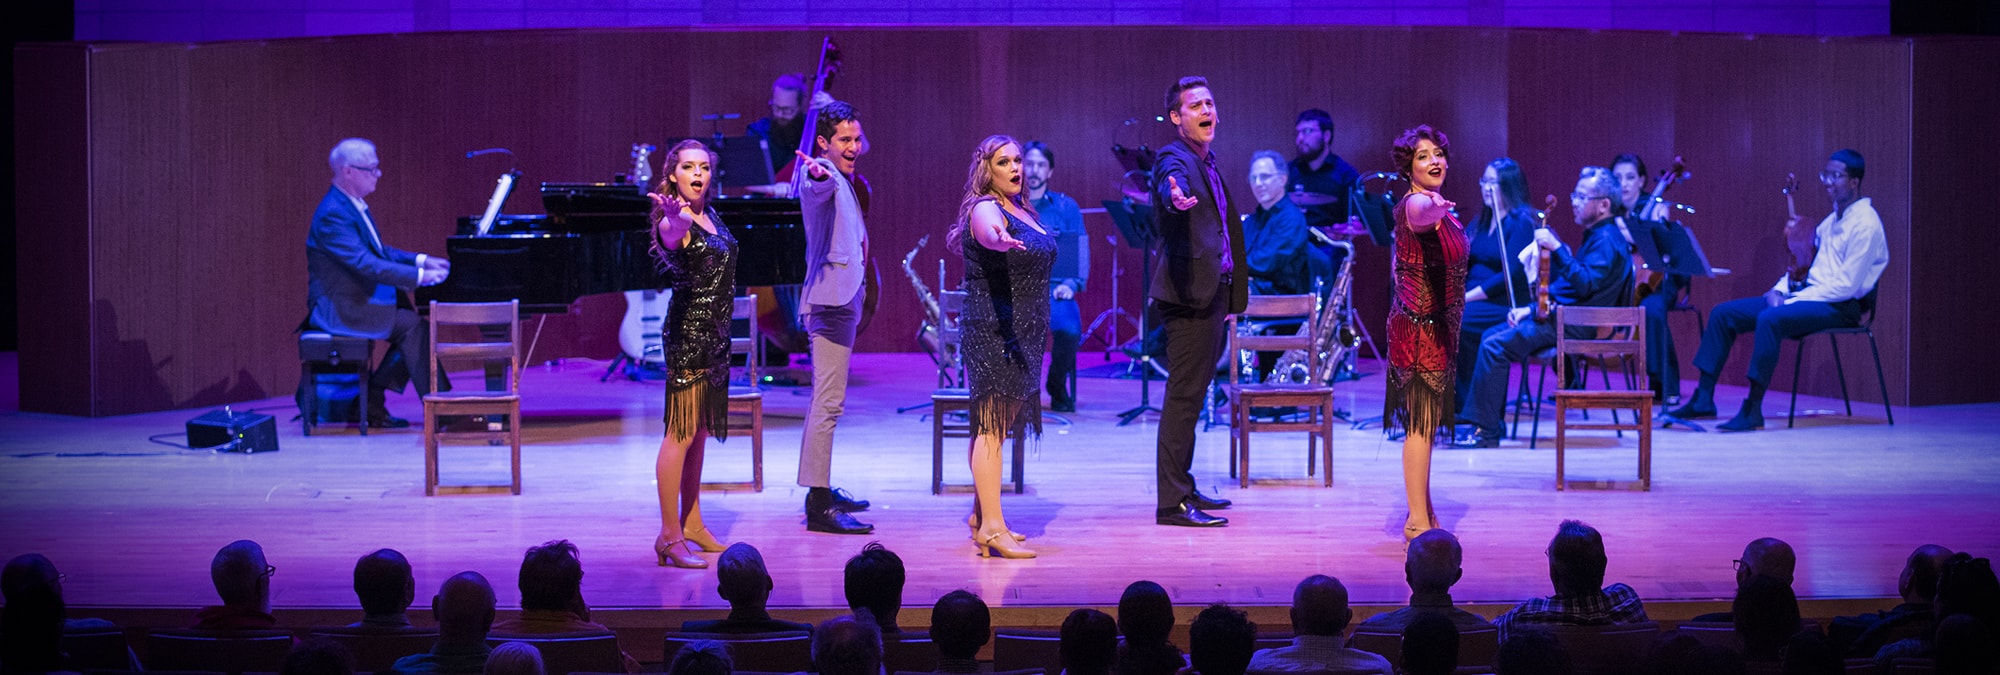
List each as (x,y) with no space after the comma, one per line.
(1650,279)
(1543,305)
(639,332)
(1800,251)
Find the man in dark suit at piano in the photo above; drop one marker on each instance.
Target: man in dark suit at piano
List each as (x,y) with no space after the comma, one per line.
(355,280)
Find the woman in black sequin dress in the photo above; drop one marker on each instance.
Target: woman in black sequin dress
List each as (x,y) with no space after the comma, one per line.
(1005,326)
(699,256)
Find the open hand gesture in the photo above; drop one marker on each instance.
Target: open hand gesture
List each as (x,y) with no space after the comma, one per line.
(673,228)
(1004,241)
(1182,201)
(813,167)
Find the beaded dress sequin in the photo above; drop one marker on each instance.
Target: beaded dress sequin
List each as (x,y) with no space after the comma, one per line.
(696,332)
(1424,319)
(1005,329)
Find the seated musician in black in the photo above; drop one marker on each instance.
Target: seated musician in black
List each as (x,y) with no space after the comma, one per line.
(1316,171)
(1275,234)
(1072,270)
(1496,283)
(1600,275)
(1663,365)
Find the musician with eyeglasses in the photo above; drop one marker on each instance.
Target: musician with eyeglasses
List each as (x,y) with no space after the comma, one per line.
(1495,283)
(1599,274)
(1275,239)
(1071,273)
(1852,253)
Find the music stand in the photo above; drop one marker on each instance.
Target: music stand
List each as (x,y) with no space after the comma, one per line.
(1137,227)
(740,161)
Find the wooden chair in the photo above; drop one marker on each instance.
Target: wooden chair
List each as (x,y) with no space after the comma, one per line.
(566,653)
(98,650)
(323,353)
(1018,649)
(949,402)
(224,651)
(1620,341)
(781,652)
(746,402)
(911,651)
(1315,397)
(1606,650)
(474,402)
(1476,648)
(376,648)
(1866,327)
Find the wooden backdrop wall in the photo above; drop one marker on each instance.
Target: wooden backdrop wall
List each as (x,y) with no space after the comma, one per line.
(166,188)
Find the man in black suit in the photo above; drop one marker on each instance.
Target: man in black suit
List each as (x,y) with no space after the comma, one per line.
(355,279)
(1195,288)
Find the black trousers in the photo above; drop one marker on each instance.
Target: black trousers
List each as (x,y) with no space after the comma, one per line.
(1195,341)
(409,359)
(1066,335)
(1771,326)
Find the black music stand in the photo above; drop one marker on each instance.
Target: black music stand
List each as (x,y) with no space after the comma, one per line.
(1136,226)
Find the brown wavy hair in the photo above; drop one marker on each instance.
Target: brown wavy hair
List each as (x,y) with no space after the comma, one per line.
(1404,150)
(979,186)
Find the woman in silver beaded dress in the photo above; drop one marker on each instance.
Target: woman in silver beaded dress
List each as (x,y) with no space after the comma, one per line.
(698,255)
(1005,326)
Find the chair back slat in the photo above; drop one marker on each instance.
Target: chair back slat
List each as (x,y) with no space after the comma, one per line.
(781,652)
(1606,650)
(1264,306)
(1022,649)
(477,314)
(909,651)
(376,650)
(1620,331)
(473,313)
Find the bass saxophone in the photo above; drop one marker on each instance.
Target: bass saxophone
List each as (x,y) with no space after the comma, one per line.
(927,332)
(1332,334)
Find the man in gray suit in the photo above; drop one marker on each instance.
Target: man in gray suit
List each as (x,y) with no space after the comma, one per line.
(355,279)
(836,255)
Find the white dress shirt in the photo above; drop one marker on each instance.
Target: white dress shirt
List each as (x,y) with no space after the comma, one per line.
(1853,251)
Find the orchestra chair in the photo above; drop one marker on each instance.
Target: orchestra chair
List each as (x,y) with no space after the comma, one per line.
(1832,340)
(224,651)
(1476,648)
(474,402)
(1314,397)
(746,402)
(950,403)
(1606,650)
(376,648)
(323,353)
(1909,665)
(1620,341)
(911,651)
(565,653)
(98,649)
(779,652)
(1021,649)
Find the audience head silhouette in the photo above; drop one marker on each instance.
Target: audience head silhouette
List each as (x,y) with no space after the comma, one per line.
(1766,614)
(1967,586)
(1532,651)
(703,657)
(1430,643)
(28,570)
(1576,559)
(848,645)
(384,583)
(318,656)
(464,606)
(960,625)
(741,578)
(242,577)
(1146,616)
(552,577)
(1966,645)
(1089,643)
(31,625)
(514,658)
(1808,652)
(1319,607)
(1433,562)
(874,581)
(1767,557)
(1918,582)
(1221,640)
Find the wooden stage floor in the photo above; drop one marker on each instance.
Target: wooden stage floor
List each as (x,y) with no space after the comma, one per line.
(134,524)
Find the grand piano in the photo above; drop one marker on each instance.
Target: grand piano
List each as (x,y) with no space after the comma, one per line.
(596,239)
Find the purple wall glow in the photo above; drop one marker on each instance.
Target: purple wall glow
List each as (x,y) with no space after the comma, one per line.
(213,20)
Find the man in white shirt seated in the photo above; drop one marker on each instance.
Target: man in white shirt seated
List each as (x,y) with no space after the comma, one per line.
(1852,254)
(1319,617)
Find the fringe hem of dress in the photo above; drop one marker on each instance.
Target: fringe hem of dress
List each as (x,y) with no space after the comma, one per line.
(1419,400)
(697,407)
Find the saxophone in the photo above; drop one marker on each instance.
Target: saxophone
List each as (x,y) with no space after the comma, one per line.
(1332,334)
(927,333)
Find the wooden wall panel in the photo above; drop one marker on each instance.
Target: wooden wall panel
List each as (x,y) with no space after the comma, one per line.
(214,153)
(52,245)
(1951,234)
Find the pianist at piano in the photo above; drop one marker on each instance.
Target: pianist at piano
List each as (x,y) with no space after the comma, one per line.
(355,281)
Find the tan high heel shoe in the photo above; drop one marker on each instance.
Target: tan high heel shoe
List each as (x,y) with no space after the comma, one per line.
(703,539)
(972,521)
(1001,545)
(671,553)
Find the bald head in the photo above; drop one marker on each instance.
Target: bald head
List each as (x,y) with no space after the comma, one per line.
(1319,606)
(1432,564)
(464,605)
(1767,557)
(1920,573)
(238,573)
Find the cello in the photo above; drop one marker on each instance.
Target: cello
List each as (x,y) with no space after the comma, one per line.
(1799,251)
(1650,279)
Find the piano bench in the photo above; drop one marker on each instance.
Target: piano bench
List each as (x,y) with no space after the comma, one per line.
(322,353)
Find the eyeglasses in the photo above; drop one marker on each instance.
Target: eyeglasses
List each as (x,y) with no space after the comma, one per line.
(270,570)
(1261,177)
(376,170)
(784,110)
(1486,182)
(1738,564)
(1831,177)
(1579,196)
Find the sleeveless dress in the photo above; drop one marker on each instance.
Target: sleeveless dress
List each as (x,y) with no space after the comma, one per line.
(1423,324)
(1005,327)
(696,333)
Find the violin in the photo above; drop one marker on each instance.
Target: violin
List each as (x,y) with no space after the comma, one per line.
(1650,279)
(1543,305)
(1799,250)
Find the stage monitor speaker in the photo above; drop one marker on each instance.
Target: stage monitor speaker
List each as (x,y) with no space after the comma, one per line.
(230,431)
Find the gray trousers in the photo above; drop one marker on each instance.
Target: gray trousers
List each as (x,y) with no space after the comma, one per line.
(831,332)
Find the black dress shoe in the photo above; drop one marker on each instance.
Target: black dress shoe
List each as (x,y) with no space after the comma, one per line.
(381,419)
(1063,406)
(835,521)
(1207,503)
(1694,410)
(1186,515)
(845,501)
(1748,419)
(1475,440)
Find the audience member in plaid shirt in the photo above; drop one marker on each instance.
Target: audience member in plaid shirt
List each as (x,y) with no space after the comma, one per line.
(1576,568)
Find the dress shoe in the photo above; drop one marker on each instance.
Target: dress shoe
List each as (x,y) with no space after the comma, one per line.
(1001,545)
(835,521)
(1748,419)
(1475,440)
(677,554)
(381,419)
(1067,405)
(1207,503)
(703,539)
(1694,410)
(972,521)
(845,501)
(1186,515)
